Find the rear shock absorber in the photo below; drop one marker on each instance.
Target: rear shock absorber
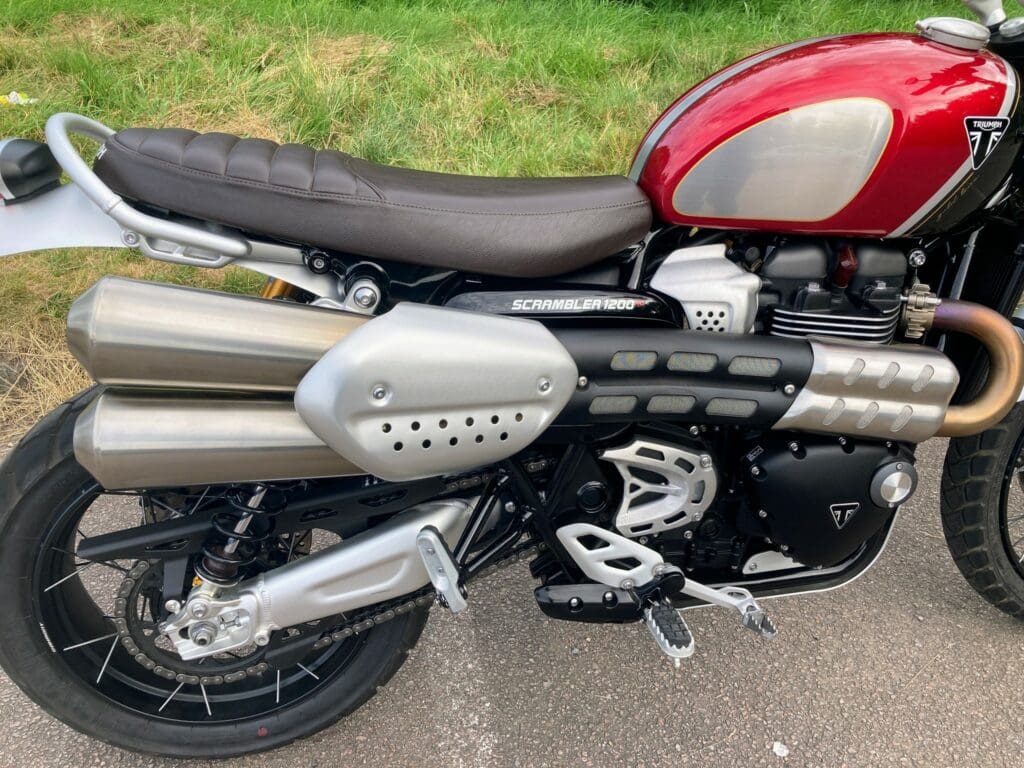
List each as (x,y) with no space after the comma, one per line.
(222,563)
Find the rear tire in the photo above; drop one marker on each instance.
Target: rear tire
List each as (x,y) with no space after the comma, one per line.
(977,477)
(37,478)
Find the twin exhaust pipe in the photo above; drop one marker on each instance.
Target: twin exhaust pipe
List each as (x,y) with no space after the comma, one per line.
(200,384)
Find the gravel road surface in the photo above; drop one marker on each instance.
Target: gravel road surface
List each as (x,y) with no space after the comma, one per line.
(907,666)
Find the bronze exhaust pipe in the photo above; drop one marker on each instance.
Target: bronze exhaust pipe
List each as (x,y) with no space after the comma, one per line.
(1006,366)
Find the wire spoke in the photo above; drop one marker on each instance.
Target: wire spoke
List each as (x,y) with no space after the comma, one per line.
(106,661)
(90,642)
(78,570)
(304,669)
(206,701)
(168,699)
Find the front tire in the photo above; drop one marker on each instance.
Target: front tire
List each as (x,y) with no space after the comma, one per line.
(983,508)
(38,480)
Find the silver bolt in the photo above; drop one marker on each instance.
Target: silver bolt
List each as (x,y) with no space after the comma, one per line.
(917,258)
(365,297)
(608,596)
(842,441)
(202,634)
(627,584)
(899,466)
(575,602)
(794,446)
(131,239)
(658,569)
(888,443)
(705,461)
(752,567)
(755,471)
(430,550)
(172,606)
(262,638)
(643,539)
(697,516)
(688,535)
(789,389)
(510,506)
(543,385)
(762,514)
(582,382)
(694,430)
(784,548)
(197,609)
(379,393)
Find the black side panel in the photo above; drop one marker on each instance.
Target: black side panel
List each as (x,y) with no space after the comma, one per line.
(27,169)
(690,376)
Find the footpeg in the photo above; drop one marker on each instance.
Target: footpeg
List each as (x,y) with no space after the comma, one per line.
(441,567)
(669,631)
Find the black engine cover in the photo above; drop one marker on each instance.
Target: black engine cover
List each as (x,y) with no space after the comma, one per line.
(813,494)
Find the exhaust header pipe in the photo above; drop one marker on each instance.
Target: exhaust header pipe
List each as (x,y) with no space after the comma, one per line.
(137,334)
(139,441)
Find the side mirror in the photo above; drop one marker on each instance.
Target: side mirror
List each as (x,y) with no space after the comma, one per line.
(989,12)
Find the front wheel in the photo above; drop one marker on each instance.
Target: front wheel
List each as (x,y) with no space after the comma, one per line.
(60,639)
(983,510)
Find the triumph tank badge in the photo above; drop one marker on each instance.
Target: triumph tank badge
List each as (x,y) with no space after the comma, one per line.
(844,512)
(983,134)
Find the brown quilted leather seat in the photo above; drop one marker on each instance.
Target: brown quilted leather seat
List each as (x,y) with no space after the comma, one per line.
(499,226)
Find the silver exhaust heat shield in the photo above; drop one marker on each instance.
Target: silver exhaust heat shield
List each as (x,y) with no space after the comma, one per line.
(138,334)
(425,391)
(898,392)
(377,565)
(141,441)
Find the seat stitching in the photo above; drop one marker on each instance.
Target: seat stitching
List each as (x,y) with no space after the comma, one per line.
(297,193)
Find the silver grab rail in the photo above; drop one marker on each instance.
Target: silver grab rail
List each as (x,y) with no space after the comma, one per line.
(148,233)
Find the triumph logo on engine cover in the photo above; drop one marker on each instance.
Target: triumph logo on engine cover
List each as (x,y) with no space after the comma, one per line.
(983,134)
(844,512)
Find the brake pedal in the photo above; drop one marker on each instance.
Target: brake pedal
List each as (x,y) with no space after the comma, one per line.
(441,567)
(737,598)
(669,631)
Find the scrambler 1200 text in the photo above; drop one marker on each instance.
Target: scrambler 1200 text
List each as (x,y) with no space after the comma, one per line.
(634,384)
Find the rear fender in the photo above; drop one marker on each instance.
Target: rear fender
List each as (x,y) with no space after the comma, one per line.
(61,218)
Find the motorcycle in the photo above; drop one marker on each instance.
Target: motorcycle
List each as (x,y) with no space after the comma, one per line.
(701,385)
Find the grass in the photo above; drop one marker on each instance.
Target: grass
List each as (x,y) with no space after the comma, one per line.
(560,87)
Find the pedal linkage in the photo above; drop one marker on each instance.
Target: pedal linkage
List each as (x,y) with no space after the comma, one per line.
(441,567)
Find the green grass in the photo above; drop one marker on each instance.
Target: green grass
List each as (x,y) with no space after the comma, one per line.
(477,86)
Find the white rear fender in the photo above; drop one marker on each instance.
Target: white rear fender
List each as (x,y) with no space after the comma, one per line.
(61,218)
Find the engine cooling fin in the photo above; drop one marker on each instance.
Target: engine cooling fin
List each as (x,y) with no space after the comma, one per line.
(792,324)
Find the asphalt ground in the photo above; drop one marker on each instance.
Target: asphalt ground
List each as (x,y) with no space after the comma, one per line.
(906,666)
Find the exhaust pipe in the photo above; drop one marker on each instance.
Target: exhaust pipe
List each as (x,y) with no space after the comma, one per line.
(137,334)
(1006,366)
(136,441)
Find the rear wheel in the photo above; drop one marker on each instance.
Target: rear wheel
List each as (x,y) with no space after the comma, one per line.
(983,511)
(80,638)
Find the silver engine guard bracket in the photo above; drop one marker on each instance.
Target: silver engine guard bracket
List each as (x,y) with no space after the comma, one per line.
(602,563)
(372,567)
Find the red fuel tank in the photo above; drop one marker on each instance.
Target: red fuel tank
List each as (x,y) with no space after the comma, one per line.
(883,135)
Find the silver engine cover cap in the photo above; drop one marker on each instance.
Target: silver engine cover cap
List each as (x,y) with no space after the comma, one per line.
(423,391)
